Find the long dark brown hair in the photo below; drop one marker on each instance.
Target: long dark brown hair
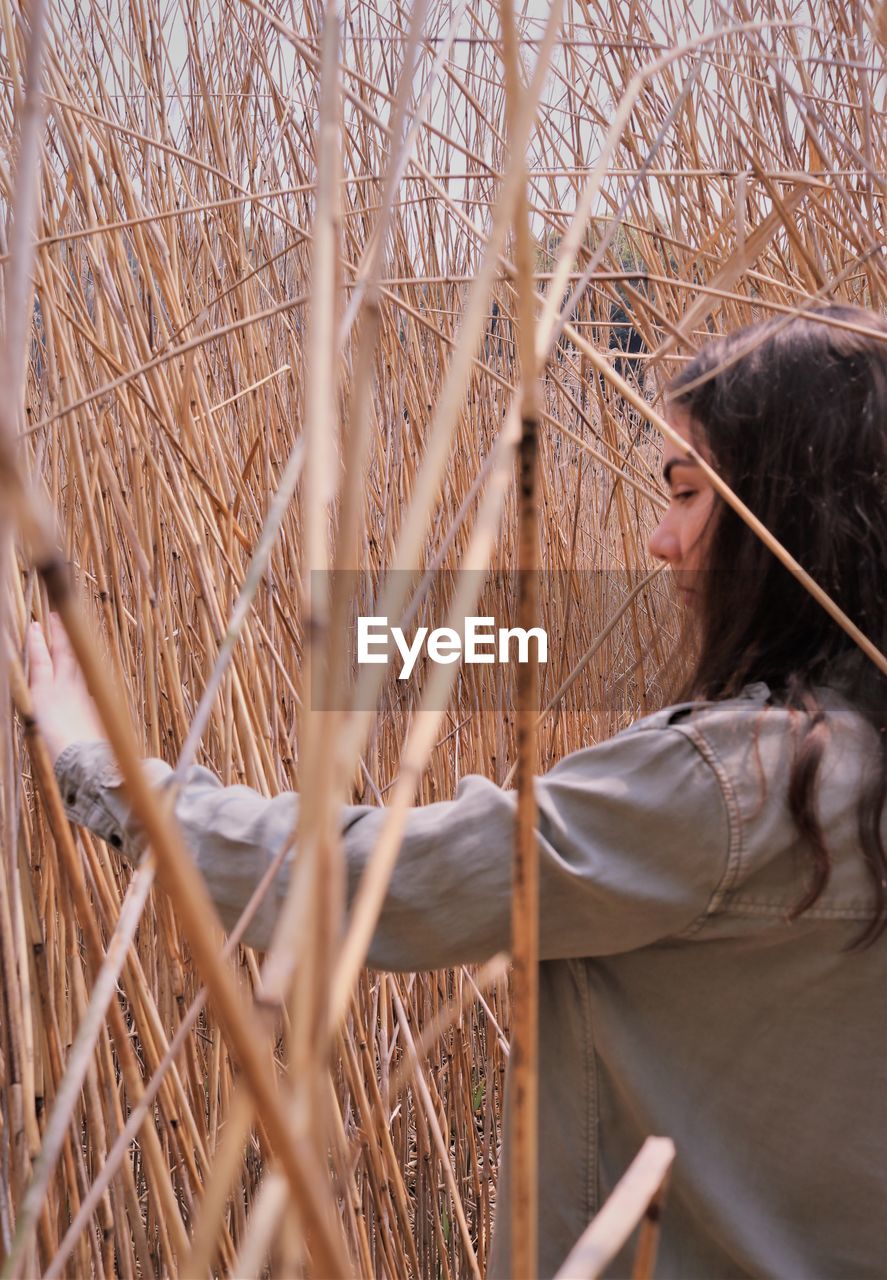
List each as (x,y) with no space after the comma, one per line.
(793,415)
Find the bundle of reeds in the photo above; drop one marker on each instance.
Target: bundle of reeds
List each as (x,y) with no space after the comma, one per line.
(280,288)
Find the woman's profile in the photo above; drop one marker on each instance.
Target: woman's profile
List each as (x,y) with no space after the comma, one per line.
(713,880)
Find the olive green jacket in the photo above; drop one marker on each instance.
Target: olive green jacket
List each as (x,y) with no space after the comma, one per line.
(678,997)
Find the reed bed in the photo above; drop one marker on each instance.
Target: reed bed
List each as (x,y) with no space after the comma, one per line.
(298,278)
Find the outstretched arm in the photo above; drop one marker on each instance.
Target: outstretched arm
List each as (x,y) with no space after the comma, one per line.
(632,835)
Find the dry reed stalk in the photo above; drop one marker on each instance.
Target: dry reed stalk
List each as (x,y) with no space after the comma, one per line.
(185,886)
(320,849)
(140,1110)
(636,1200)
(446,417)
(442,1147)
(19,1048)
(524,1138)
(371,890)
(104,974)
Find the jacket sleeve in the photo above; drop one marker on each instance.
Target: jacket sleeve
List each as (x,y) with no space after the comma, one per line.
(632,834)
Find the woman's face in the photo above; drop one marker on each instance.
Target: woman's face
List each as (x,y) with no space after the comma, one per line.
(680,537)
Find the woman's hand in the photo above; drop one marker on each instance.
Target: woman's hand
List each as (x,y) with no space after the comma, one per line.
(63,708)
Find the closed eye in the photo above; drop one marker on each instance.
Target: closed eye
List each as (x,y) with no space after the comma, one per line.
(684,494)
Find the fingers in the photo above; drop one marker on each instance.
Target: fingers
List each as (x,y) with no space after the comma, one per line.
(63,659)
(40,670)
(60,664)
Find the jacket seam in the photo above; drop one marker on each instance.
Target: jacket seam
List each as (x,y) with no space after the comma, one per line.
(734,826)
(735,833)
(591,1102)
(745,907)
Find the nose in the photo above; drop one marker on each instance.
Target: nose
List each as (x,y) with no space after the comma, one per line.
(663,543)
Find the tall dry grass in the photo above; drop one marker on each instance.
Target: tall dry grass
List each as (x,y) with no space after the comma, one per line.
(297,282)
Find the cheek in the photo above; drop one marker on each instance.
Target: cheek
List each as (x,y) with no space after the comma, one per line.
(694,530)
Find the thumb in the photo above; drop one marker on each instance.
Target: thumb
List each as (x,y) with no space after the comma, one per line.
(40,669)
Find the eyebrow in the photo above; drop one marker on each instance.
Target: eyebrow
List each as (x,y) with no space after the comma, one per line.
(676,462)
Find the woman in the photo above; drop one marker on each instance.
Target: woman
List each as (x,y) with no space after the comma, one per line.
(713,879)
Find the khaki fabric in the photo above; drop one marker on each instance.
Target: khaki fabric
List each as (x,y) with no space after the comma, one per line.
(677,996)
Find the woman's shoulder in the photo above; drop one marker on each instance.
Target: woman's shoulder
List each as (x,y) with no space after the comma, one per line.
(751,741)
(757,709)
(747,745)
(701,716)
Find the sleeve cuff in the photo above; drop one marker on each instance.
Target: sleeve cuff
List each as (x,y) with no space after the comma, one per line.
(83,766)
(91,787)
